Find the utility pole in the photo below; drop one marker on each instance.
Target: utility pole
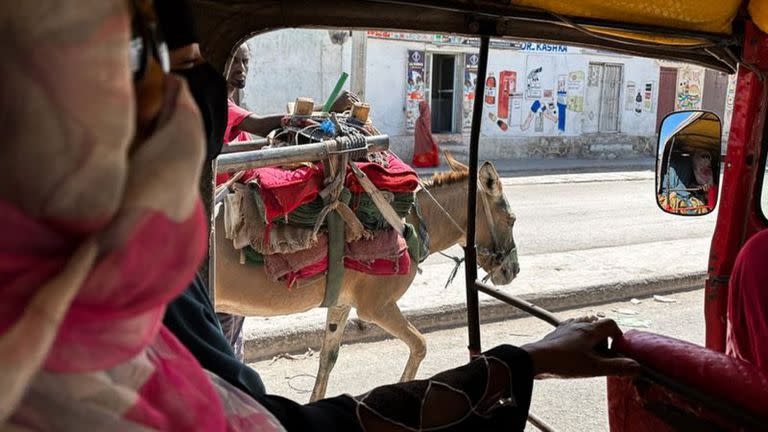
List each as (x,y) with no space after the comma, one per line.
(359,61)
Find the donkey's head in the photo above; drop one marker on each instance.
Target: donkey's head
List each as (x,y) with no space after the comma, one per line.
(496,249)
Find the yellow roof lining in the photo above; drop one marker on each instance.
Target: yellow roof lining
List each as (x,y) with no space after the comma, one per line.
(702,133)
(710,16)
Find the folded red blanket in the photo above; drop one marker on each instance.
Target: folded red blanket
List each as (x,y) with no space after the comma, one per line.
(283,190)
(381,267)
(397,176)
(386,254)
(307,272)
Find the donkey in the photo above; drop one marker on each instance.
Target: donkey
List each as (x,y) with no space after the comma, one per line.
(245,289)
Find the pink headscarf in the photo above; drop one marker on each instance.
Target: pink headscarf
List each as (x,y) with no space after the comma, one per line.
(69,177)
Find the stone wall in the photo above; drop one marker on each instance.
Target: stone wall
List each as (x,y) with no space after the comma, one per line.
(585,146)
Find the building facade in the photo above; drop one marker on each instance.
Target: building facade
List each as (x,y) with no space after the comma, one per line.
(542,100)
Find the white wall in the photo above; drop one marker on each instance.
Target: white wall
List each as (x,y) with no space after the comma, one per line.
(385,83)
(386,71)
(290,63)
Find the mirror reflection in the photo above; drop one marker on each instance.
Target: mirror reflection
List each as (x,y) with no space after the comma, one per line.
(688,163)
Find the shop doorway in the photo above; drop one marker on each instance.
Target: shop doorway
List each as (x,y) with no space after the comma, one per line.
(443,85)
(666,98)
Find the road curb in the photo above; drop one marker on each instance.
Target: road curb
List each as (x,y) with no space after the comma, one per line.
(297,340)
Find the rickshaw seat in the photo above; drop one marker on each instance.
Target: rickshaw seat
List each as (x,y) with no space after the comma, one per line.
(638,404)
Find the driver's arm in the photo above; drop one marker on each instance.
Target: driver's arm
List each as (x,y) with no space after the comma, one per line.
(493,392)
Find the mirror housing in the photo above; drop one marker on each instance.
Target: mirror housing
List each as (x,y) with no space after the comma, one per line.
(688,163)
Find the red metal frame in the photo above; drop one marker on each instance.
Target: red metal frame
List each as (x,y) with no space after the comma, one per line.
(739,217)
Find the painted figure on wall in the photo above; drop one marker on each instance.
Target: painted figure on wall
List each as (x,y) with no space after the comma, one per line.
(575,97)
(533,83)
(470,82)
(414,88)
(540,109)
(689,88)
(562,96)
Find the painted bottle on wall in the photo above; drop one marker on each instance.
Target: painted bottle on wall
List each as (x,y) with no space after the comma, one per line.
(507,86)
(490,89)
(499,122)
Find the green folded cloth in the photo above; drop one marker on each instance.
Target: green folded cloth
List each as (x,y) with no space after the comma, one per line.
(252,257)
(371,217)
(305,216)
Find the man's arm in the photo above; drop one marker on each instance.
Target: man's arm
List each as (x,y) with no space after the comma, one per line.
(263,125)
(259,125)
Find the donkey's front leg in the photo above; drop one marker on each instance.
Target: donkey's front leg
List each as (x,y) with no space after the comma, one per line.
(391,319)
(335,322)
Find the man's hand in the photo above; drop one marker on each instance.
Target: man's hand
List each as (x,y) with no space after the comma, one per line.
(344,102)
(570,351)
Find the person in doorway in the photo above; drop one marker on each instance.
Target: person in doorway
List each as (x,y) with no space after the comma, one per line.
(425,150)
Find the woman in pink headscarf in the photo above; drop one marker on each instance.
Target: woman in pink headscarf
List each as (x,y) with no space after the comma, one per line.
(425,151)
(82,344)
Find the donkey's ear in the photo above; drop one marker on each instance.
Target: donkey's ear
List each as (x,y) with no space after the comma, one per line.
(455,165)
(489,179)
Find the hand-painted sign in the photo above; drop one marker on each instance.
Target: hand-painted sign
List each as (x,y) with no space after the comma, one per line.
(415,87)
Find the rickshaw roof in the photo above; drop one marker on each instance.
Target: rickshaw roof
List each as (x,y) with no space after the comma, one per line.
(704,32)
(702,132)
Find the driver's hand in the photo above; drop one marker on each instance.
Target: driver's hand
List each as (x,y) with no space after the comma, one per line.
(570,351)
(344,102)
(705,187)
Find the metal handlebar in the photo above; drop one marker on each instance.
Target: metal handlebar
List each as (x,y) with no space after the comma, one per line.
(233,162)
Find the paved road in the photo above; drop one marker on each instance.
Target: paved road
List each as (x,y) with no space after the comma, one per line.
(561,217)
(577,405)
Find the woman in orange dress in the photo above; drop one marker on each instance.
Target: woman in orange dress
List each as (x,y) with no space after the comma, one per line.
(425,151)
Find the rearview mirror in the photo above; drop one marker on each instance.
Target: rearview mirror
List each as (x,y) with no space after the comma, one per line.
(688,163)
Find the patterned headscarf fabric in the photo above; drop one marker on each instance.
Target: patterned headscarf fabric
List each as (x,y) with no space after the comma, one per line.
(72,174)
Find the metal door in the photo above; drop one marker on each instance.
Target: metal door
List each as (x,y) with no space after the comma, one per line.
(592,101)
(610,97)
(715,88)
(666,97)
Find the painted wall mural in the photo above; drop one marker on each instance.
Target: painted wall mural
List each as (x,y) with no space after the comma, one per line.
(455,40)
(415,87)
(562,95)
(575,97)
(629,96)
(649,93)
(470,82)
(633,98)
(540,108)
(690,85)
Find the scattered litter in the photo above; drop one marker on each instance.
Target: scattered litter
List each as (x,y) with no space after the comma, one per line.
(663,299)
(297,389)
(633,322)
(625,311)
(310,353)
(601,314)
(635,301)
